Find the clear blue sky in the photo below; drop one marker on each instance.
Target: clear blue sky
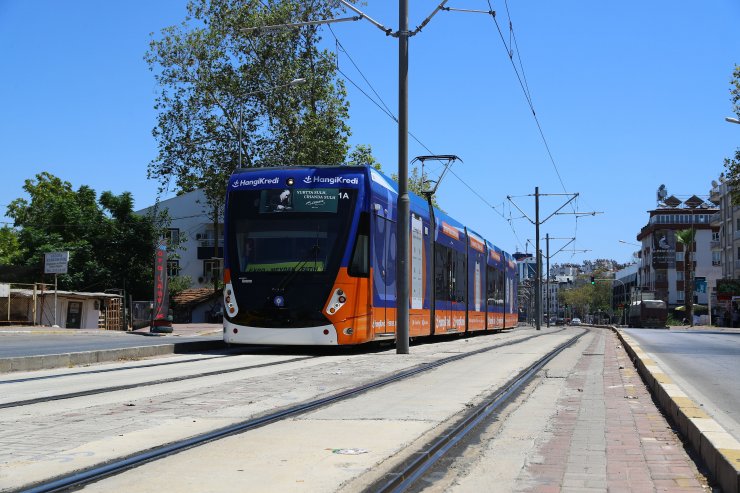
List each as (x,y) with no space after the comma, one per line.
(630,95)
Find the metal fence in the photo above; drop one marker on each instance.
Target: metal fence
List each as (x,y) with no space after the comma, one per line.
(17,304)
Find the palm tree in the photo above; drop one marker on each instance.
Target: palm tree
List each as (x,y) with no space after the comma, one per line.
(686,238)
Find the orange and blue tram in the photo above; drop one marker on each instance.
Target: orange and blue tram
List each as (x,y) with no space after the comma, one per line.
(310,259)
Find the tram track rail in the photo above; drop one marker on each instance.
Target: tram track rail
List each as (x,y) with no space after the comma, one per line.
(116,388)
(406,475)
(78,479)
(218,354)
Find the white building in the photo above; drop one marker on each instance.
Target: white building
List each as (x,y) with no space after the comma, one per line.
(662,257)
(726,243)
(191,223)
(67,309)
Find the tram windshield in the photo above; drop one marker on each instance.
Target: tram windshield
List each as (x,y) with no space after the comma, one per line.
(285,231)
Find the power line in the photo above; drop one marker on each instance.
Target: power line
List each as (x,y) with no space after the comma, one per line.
(382,106)
(390,114)
(525,88)
(339,44)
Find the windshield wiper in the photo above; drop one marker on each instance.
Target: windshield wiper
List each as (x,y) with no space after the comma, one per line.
(315,249)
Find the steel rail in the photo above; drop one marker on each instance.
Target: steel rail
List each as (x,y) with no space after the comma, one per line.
(96,473)
(409,472)
(109,370)
(115,388)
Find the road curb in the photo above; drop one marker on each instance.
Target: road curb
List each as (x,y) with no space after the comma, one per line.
(66,360)
(719,450)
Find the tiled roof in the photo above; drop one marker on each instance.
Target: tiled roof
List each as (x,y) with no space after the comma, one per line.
(194,296)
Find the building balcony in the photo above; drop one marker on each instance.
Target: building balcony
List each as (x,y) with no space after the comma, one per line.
(715,219)
(714,245)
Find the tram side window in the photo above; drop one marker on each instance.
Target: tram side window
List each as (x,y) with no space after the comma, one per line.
(461,277)
(359,266)
(442,272)
(491,285)
(500,287)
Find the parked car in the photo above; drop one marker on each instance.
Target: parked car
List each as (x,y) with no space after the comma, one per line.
(559,321)
(575,321)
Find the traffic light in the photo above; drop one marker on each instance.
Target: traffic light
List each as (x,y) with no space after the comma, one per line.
(593,281)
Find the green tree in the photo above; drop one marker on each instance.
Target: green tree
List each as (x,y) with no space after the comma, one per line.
(685,237)
(732,164)
(363,155)
(227,97)
(419,183)
(586,298)
(110,246)
(10,251)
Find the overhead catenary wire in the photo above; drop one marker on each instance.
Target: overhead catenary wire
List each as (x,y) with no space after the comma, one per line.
(528,97)
(383,106)
(522,78)
(385,109)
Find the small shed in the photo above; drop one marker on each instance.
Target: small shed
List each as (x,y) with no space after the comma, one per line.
(74,309)
(197,305)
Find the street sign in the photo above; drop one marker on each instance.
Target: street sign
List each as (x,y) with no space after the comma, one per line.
(56,262)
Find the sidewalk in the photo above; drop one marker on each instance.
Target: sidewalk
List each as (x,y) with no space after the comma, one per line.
(178,330)
(184,338)
(608,434)
(719,450)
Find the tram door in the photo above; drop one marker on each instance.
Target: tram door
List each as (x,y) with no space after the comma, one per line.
(443,288)
(384,273)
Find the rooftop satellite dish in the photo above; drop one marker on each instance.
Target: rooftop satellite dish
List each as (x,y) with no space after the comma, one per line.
(662,193)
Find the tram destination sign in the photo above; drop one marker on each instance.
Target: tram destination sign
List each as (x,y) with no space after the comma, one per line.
(56,262)
(301,200)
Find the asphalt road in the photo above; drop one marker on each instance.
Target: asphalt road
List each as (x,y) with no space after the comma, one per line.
(704,364)
(15,345)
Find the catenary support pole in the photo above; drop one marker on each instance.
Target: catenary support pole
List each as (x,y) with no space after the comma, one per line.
(402,232)
(547,276)
(55,301)
(538,262)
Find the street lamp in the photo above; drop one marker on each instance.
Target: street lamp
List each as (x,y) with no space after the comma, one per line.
(732,120)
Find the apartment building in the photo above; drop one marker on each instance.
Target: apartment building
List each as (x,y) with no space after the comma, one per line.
(662,257)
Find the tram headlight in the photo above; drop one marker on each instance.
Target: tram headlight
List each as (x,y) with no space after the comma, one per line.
(230,301)
(289,182)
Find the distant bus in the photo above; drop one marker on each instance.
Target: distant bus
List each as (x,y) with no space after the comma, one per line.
(648,313)
(310,259)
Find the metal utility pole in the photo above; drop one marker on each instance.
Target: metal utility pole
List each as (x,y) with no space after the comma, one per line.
(548,256)
(402,231)
(538,275)
(547,276)
(403,204)
(537,222)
